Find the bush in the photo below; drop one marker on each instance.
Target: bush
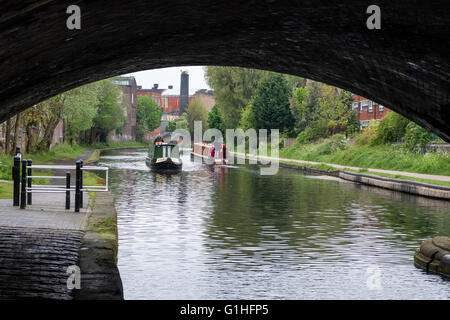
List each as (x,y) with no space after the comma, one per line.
(416,136)
(368,135)
(391,129)
(317,130)
(331,145)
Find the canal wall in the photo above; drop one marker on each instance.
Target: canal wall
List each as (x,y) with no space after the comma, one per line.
(411,187)
(100,278)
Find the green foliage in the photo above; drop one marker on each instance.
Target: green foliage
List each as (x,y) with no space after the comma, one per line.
(171,126)
(247,117)
(391,128)
(380,156)
(215,119)
(368,135)
(148,116)
(80,108)
(335,107)
(196,111)
(271,107)
(317,130)
(233,89)
(110,115)
(181,121)
(415,135)
(310,104)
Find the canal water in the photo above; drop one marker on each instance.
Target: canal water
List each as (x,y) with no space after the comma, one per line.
(231,233)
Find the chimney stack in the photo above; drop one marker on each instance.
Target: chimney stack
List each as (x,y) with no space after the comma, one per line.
(184,91)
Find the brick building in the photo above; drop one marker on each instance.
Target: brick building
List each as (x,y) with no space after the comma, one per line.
(367,110)
(128,96)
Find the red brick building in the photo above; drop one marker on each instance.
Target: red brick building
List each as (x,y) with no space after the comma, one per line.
(167,99)
(368,110)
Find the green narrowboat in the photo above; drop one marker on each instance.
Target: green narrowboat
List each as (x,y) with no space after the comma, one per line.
(163,156)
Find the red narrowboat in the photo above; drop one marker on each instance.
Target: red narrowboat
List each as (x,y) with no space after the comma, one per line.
(212,154)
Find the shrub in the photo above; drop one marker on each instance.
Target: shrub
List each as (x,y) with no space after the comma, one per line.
(391,129)
(416,136)
(331,145)
(369,134)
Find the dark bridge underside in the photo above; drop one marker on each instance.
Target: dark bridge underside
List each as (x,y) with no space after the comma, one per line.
(404,66)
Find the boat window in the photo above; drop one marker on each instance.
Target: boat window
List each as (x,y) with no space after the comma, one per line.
(168,151)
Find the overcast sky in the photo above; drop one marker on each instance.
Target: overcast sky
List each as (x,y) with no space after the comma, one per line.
(171,76)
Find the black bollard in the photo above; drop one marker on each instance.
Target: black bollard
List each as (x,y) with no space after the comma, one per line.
(16,179)
(68,190)
(77,186)
(29,163)
(23,192)
(81,185)
(18,151)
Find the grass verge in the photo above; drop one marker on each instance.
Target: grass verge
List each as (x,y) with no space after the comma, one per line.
(338,150)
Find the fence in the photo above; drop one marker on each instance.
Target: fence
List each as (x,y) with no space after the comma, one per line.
(24,188)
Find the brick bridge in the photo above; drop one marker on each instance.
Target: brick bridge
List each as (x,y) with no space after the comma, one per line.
(404,66)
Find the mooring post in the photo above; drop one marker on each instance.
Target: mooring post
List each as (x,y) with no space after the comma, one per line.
(23,193)
(18,152)
(81,184)
(77,185)
(29,173)
(16,179)
(68,190)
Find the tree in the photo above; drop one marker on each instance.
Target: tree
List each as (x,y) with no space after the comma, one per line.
(196,111)
(80,108)
(148,116)
(335,107)
(296,104)
(310,104)
(247,117)
(110,114)
(271,107)
(233,89)
(215,119)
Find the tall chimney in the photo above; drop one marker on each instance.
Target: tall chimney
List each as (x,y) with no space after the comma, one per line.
(184,91)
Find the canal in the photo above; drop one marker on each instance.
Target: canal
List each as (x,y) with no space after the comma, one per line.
(234,234)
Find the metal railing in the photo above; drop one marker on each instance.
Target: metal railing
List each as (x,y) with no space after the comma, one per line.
(24,187)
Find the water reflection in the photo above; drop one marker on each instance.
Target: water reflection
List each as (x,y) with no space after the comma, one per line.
(229,233)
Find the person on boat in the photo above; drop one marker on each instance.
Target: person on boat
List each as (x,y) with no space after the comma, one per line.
(159,140)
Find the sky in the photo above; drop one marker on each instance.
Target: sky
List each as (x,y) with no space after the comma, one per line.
(171,76)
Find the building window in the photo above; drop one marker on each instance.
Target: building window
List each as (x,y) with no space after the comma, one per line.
(355,105)
(370,106)
(381,108)
(364,103)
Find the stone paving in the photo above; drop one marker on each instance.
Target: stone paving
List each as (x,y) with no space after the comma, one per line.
(37,245)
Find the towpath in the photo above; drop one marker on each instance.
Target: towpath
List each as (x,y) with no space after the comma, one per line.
(338,166)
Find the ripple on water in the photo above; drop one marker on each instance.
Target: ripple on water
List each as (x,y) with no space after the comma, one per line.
(232,234)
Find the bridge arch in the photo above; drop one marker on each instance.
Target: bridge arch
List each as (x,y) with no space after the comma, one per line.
(404,65)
